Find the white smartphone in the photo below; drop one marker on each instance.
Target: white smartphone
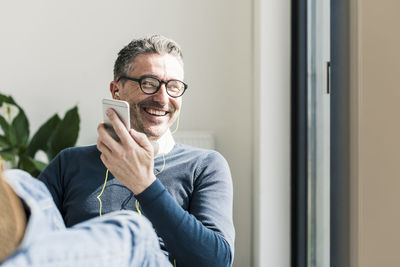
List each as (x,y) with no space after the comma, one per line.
(122,109)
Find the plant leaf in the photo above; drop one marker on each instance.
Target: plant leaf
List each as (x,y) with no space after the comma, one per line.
(2,97)
(40,166)
(4,126)
(7,99)
(20,128)
(3,122)
(41,138)
(26,164)
(34,167)
(4,141)
(16,133)
(9,154)
(66,133)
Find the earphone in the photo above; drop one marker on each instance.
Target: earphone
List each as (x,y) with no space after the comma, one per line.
(162,169)
(116,94)
(137,206)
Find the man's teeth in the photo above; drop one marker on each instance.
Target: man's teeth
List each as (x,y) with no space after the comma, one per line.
(156,112)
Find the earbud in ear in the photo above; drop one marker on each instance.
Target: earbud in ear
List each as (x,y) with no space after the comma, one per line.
(116,94)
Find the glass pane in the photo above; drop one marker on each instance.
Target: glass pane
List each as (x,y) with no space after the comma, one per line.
(318,133)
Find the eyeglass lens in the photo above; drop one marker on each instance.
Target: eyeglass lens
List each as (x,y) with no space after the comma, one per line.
(150,85)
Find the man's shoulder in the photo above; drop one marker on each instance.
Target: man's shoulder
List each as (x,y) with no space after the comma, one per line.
(187,149)
(198,154)
(79,153)
(89,149)
(206,165)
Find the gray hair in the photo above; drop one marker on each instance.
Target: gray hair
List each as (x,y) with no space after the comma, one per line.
(155,44)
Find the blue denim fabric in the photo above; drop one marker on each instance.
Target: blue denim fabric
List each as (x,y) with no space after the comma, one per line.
(121,238)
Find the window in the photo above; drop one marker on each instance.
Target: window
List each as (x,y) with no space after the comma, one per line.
(311,133)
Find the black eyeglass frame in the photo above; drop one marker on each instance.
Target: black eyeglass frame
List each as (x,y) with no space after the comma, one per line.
(139,81)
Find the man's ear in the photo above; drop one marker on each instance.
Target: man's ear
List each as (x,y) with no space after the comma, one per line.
(114,90)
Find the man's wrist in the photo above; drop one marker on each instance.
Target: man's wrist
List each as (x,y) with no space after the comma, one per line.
(139,188)
(151,194)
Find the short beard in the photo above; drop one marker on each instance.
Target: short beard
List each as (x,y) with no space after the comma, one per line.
(138,125)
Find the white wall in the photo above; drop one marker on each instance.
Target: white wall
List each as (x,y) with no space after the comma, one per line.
(271,133)
(56,54)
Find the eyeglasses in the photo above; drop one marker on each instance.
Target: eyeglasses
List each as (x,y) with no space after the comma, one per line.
(150,85)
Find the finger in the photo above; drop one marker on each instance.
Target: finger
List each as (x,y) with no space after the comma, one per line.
(108,147)
(118,126)
(104,159)
(102,147)
(141,139)
(106,139)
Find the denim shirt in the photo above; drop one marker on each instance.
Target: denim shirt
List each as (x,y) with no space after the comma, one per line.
(117,239)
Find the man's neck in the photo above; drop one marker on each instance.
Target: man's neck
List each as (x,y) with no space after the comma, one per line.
(164,144)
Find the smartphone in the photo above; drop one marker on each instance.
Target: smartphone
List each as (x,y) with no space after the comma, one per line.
(122,109)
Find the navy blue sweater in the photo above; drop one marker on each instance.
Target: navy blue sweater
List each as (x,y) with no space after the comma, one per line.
(189,205)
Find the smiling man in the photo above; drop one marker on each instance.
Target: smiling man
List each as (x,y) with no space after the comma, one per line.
(185,192)
(152,110)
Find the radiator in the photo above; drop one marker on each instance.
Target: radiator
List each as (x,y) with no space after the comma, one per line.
(196,139)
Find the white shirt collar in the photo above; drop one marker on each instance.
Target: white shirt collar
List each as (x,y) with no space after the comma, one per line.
(164,144)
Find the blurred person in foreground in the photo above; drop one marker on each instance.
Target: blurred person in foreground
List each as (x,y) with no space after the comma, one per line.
(32,232)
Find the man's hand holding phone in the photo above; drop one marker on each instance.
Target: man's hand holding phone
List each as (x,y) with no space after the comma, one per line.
(131,158)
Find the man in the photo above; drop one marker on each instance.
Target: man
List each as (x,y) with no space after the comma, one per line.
(32,232)
(185,192)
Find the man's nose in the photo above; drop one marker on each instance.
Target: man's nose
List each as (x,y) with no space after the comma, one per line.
(161,96)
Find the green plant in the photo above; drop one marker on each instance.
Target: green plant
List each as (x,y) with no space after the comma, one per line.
(53,136)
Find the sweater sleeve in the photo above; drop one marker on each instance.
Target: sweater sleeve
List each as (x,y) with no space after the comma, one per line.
(203,235)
